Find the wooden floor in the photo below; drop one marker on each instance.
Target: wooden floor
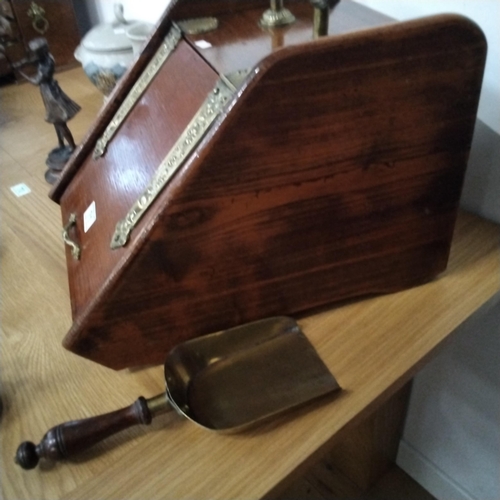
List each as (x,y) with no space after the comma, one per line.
(25,140)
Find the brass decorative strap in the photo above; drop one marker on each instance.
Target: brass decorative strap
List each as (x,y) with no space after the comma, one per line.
(199,25)
(167,47)
(184,146)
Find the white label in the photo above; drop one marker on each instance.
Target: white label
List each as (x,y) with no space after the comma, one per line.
(203,44)
(89,217)
(20,189)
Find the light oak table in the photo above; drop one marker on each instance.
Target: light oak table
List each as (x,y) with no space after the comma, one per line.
(373,347)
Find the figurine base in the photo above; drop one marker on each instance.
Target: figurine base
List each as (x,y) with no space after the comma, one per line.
(52,176)
(56,160)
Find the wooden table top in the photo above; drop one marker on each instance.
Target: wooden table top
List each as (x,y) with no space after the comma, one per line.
(372,346)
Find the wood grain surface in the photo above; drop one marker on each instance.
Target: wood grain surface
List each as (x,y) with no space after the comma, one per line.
(115,181)
(336,172)
(372,346)
(241,43)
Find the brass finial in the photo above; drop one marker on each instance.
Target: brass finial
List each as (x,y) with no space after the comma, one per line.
(277,15)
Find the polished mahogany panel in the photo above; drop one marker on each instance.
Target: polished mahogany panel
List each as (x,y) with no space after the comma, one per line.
(115,181)
(241,43)
(335,172)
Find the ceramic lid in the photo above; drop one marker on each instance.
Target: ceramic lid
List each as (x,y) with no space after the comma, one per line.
(109,37)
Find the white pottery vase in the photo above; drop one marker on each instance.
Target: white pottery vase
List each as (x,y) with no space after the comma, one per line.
(106,52)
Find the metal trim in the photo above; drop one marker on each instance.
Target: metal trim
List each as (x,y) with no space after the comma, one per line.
(184,146)
(162,54)
(199,25)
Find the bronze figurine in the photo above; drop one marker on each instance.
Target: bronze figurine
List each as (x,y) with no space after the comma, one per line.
(59,108)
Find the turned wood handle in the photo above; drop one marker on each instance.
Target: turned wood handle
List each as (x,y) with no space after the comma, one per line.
(70,438)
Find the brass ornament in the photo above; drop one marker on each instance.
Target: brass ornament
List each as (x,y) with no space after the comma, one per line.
(184,146)
(199,25)
(75,249)
(162,54)
(40,23)
(276,15)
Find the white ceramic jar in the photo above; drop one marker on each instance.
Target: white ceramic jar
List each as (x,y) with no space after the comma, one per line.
(106,52)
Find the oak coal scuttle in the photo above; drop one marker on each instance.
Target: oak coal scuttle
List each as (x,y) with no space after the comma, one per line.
(246,167)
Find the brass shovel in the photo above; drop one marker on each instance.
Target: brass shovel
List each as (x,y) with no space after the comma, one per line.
(223,381)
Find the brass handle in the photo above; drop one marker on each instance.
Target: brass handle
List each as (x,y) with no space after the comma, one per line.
(37,13)
(75,249)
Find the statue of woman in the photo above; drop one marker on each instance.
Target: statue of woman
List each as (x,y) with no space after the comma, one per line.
(59,108)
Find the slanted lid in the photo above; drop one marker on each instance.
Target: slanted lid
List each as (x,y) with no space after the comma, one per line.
(109,37)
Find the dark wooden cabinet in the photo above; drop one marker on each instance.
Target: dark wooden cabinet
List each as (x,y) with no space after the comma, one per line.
(55,20)
(10,38)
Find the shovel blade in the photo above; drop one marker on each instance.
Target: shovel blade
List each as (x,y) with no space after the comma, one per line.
(235,378)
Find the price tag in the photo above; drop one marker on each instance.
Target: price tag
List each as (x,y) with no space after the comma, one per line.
(20,189)
(203,44)
(89,217)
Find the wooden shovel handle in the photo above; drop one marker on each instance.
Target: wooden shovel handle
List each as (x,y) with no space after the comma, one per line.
(70,438)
